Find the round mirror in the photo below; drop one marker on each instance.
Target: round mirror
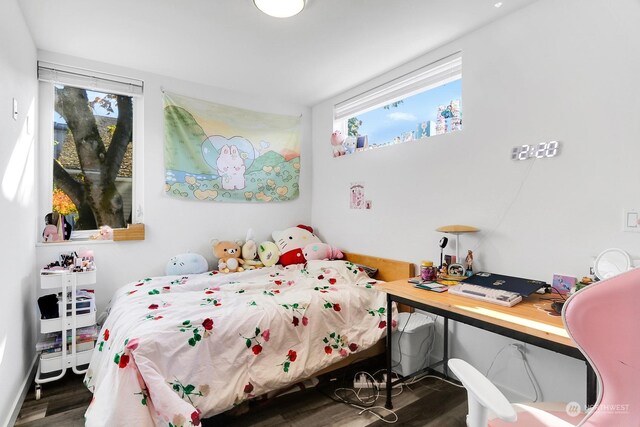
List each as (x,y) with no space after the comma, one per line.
(611,262)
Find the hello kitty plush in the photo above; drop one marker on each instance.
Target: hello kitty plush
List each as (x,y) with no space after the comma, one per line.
(231,168)
(337,138)
(291,241)
(321,251)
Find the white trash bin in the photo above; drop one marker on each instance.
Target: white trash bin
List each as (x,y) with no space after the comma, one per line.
(411,343)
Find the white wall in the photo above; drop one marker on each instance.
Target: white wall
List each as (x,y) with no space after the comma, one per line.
(175,226)
(564,71)
(17,205)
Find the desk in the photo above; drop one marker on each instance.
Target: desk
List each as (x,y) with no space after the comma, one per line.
(527,322)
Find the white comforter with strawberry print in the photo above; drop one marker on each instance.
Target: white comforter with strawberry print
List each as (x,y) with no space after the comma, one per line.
(176,349)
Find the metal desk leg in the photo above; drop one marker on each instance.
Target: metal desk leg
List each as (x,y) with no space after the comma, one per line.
(389,405)
(445,350)
(592,386)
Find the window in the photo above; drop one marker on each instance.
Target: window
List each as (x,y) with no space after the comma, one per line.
(91,147)
(418,105)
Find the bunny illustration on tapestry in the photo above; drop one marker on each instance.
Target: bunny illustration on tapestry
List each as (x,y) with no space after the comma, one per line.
(231,168)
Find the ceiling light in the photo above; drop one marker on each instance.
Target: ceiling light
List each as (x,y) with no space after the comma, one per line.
(497,5)
(280,8)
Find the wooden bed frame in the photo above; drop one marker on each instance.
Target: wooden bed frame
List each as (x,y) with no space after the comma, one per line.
(388,270)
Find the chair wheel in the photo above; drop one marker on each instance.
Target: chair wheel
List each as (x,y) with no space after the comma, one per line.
(38,392)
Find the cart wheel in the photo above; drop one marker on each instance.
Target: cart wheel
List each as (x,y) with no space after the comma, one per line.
(38,392)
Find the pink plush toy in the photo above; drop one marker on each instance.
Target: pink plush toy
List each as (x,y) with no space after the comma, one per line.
(321,251)
(337,138)
(104,233)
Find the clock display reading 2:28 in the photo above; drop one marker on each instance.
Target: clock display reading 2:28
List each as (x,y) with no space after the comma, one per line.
(538,151)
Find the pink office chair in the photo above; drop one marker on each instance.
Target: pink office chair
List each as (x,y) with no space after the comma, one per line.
(604,320)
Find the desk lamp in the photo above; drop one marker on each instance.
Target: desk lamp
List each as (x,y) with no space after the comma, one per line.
(442,244)
(457,230)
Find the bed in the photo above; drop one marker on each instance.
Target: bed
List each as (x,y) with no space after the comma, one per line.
(174,350)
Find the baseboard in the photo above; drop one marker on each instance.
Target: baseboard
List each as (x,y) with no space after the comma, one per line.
(24,389)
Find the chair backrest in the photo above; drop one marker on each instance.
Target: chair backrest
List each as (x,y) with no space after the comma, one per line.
(604,321)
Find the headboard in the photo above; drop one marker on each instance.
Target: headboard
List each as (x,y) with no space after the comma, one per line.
(388,269)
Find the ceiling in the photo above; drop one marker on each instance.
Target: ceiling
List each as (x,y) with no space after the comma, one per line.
(330,47)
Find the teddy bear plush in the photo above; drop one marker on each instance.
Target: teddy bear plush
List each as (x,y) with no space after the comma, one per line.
(229,255)
(321,251)
(291,241)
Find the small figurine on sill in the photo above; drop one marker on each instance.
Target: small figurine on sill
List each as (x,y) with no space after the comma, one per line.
(104,233)
(57,228)
(337,140)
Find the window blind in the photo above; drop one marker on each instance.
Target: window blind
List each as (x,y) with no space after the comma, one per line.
(436,74)
(78,77)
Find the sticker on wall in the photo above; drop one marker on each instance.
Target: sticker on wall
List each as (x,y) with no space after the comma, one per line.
(225,154)
(357,198)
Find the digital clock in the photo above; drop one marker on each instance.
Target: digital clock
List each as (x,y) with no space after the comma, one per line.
(539,151)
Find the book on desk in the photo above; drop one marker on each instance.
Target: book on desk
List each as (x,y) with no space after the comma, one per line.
(427,285)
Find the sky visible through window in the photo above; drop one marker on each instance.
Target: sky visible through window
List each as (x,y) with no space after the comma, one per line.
(382,126)
(98,110)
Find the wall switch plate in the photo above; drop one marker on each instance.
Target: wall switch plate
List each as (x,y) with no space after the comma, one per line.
(15,109)
(631,220)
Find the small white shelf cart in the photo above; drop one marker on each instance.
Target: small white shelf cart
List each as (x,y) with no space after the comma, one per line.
(67,323)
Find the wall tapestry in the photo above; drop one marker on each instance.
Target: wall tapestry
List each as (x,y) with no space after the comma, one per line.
(227,154)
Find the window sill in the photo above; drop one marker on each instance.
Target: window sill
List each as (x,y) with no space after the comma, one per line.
(74,242)
(132,232)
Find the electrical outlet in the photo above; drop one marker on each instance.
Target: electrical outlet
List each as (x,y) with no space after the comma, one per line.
(631,220)
(518,348)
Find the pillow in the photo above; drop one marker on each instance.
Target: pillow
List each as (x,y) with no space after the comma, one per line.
(321,251)
(371,271)
(348,272)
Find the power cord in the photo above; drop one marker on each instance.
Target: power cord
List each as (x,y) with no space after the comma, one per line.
(366,404)
(422,377)
(431,336)
(534,383)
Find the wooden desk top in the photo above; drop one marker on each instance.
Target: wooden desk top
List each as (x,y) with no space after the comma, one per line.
(532,316)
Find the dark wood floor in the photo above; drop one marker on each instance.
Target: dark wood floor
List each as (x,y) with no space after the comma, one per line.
(63,403)
(429,402)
